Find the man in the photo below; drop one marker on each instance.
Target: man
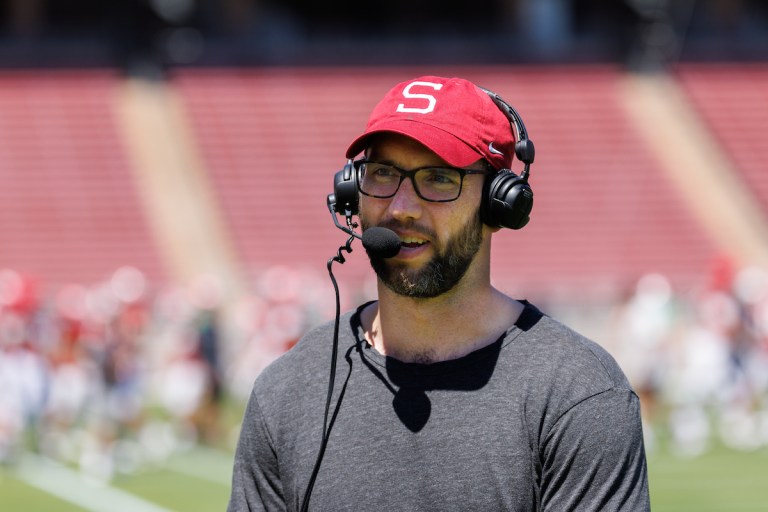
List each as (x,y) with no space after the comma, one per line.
(450,395)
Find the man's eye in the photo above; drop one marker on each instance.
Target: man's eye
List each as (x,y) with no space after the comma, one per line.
(443,176)
(382,171)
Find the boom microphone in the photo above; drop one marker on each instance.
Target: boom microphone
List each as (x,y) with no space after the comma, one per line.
(381,242)
(378,242)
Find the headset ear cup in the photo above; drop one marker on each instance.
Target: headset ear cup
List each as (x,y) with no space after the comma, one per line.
(507,202)
(345,191)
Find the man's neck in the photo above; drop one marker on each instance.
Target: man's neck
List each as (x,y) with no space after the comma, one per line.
(438,329)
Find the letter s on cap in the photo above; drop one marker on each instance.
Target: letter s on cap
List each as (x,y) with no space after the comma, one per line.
(430,99)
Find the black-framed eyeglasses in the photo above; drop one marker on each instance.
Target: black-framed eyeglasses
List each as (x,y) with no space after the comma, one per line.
(438,184)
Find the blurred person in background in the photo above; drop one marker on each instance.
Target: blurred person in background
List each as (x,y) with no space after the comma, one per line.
(643,325)
(716,389)
(24,384)
(452,395)
(207,351)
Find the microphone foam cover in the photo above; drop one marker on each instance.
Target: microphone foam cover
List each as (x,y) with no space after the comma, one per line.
(381,242)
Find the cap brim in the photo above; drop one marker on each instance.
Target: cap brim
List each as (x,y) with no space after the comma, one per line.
(446,145)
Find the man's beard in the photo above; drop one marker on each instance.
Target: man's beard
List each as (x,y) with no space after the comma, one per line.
(441,273)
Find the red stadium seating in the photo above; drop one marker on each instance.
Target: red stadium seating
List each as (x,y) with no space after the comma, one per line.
(733,101)
(272,138)
(604,214)
(69,211)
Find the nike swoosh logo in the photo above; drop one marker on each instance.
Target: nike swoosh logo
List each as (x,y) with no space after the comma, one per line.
(494,150)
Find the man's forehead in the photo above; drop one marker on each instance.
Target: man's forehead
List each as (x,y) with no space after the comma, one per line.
(389,144)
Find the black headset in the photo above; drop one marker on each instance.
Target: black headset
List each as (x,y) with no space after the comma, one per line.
(507,197)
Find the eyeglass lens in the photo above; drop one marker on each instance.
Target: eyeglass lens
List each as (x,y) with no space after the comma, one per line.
(431,183)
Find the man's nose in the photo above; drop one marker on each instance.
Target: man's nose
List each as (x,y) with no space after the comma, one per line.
(406,203)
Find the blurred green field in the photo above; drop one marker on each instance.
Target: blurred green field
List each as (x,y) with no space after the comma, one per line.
(194,481)
(721,480)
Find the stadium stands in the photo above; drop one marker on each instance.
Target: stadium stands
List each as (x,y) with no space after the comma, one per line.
(604,213)
(733,102)
(69,211)
(270,140)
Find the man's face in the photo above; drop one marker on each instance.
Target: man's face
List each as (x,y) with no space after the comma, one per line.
(439,240)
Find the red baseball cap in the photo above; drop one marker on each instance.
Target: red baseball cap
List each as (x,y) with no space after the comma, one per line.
(452,117)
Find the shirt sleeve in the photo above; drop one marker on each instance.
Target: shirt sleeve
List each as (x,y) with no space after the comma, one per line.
(594,457)
(256,484)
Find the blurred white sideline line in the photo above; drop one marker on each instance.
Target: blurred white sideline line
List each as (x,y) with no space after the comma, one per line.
(69,485)
(204,463)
